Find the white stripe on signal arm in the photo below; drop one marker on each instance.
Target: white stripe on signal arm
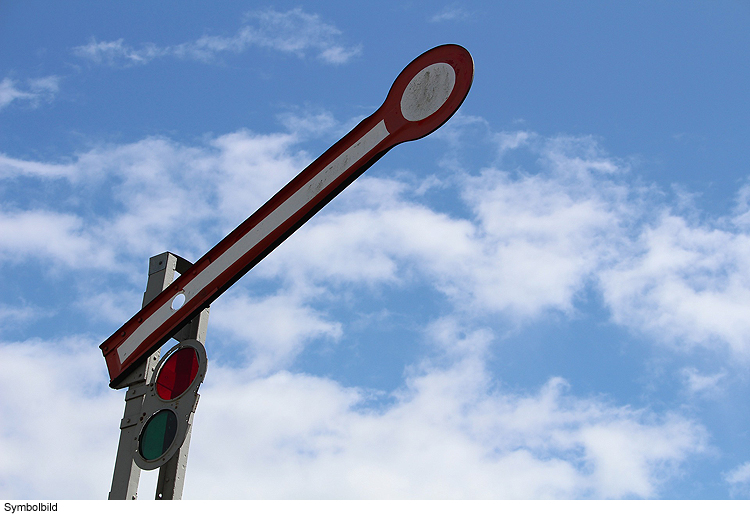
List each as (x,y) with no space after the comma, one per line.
(313,188)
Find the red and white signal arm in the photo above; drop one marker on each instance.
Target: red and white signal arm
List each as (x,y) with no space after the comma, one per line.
(423,97)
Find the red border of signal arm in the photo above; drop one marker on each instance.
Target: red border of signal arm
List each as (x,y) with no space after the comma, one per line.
(285,212)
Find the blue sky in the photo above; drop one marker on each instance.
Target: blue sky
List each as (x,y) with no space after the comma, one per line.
(549,297)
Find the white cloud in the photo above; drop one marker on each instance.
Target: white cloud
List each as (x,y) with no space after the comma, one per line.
(542,240)
(532,244)
(271,159)
(449,13)
(12,167)
(577,159)
(42,89)
(451,433)
(513,140)
(306,123)
(685,284)
(705,384)
(529,243)
(739,475)
(109,304)
(59,419)
(153,195)
(272,330)
(13,315)
(295,32)
(739,480)
(116,52)
(365,244)
(61,238)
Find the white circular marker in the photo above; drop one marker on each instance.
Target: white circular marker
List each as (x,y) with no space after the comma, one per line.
(428,91)
(178,301)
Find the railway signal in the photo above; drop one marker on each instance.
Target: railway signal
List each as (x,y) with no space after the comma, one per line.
(423,97)
(161,399)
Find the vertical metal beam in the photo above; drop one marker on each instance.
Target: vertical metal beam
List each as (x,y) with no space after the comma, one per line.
(126,473)
(161,269)
(172,474)
(161,273)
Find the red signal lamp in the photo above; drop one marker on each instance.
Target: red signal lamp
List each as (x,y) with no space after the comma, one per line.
(177,373)
(170,399)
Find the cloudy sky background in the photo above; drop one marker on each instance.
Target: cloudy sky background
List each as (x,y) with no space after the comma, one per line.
(549,297)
